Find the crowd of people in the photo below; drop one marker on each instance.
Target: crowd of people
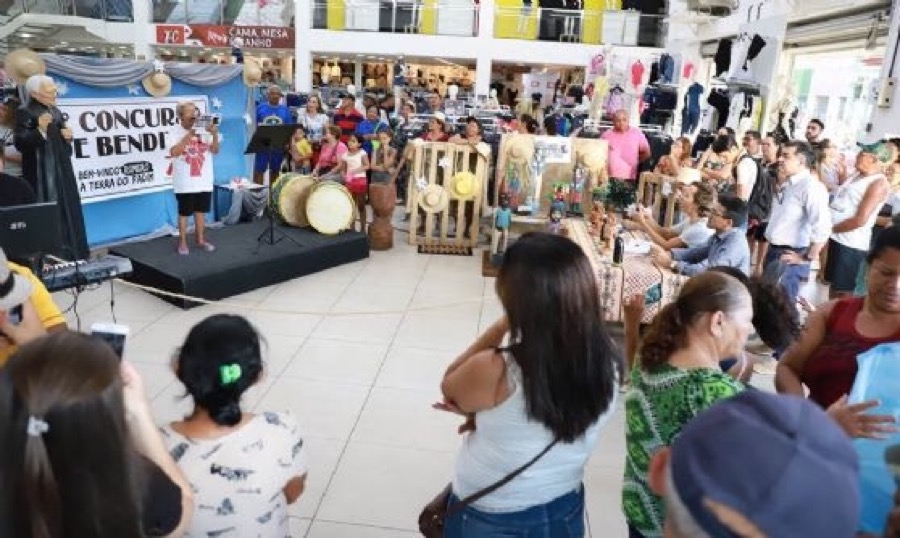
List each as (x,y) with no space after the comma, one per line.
(706,455)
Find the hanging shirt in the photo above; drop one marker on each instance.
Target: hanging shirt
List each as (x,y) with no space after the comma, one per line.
(693,97)
(689,69)
(615,102)
(735,109)
(637,73)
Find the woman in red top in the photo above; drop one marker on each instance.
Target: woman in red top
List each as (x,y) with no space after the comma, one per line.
(824,359)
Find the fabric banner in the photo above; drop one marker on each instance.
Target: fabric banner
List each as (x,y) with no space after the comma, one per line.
(208,35)
(121,146)
(125,214)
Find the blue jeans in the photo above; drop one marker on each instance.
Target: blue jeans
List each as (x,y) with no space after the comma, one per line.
(562,517)
(787,277)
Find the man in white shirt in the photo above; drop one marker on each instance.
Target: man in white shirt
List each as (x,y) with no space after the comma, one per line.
(192,172)
(799,222)
(747,170)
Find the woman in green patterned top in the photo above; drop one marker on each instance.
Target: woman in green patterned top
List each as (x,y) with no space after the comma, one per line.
(678,377)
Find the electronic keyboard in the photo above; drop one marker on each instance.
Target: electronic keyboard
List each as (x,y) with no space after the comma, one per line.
(61,276)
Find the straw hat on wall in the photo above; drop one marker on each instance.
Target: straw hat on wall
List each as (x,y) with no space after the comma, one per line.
(252,72)
(157,84)
(520,148)
(21,64)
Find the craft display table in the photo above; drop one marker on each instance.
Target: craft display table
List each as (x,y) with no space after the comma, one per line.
(616,283)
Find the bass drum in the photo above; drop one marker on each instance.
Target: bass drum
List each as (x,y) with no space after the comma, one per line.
(330,208)
(289,195)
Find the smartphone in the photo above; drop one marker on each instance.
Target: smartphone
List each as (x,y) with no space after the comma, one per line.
(114,335)
(653,294)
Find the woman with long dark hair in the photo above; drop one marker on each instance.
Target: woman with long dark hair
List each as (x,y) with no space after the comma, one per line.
(81,455)
(551,385)
(248,466)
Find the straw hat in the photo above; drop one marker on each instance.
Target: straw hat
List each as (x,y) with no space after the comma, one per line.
(158,84)
(463,185)
(592,156)
(688,176)
(520,148)
(252,72)
(433,199)
(21,64)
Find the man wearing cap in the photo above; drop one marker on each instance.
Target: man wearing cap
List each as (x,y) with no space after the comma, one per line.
(727,247)
(628,147)
(347,117)
(760,465)
(39,314)
(271,112)
(45,141)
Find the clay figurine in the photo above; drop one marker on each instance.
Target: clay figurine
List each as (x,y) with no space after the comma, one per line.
(500,233)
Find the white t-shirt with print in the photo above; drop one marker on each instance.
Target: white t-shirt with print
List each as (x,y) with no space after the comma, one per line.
(238,479)
(693,235)
(192,171)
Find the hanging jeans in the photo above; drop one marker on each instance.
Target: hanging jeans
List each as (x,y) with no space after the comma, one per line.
(690,119)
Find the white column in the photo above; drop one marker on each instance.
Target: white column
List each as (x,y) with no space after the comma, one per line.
(302,49)
(885,121)
(142,23)
(358,76)
(485,38)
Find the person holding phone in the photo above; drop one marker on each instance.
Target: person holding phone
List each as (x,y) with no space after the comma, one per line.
(27,310)
(192,173)
(81,455)
(247,466)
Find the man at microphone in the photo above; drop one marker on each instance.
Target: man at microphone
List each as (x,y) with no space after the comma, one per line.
(44,140)
(192,172)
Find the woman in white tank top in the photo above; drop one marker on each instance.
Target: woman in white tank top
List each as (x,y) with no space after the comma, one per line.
(555,380)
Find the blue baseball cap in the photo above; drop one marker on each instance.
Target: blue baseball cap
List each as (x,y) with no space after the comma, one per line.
(778,460)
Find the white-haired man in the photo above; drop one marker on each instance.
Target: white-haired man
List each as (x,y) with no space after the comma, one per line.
(192,173)
(44,140)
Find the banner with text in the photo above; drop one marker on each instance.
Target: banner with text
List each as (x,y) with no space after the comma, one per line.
(120,146)
(209,35)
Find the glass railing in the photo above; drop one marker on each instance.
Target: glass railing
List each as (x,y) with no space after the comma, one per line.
(109,10)
(223,12)
(592,26)
(434,17)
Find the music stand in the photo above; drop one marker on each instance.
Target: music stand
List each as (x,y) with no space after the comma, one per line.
(266,139)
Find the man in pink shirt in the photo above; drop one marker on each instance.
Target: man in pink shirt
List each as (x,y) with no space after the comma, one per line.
(627,148)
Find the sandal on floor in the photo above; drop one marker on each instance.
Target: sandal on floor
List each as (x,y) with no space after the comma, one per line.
(183,250)
(208,247)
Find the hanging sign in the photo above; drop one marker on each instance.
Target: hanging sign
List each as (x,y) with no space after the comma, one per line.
(120,147)
(209,35)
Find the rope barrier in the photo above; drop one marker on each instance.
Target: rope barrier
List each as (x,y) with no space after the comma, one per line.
(245,307)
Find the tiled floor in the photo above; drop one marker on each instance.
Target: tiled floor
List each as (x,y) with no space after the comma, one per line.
(357,353)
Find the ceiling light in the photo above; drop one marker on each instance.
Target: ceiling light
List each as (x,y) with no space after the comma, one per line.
(25,34)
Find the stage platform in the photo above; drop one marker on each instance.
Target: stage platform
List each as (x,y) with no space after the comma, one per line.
(239,264)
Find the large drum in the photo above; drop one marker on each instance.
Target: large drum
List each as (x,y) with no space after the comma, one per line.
(330,208)
(289,195)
